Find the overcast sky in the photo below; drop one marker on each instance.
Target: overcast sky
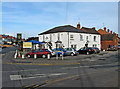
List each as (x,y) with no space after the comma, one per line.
(32,18)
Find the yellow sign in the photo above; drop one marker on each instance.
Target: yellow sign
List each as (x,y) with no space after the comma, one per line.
(27,44)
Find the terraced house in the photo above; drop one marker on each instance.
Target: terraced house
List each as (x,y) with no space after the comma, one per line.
(70,36)
(109,39)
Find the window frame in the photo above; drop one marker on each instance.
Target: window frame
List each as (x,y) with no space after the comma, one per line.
(81,37)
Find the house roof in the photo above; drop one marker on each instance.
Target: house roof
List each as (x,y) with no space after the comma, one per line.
(107,37)
(66,28)
(90,30)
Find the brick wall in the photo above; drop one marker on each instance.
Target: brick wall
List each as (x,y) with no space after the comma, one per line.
(105,44)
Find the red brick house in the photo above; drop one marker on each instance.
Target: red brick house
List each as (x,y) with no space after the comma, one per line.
(108,39)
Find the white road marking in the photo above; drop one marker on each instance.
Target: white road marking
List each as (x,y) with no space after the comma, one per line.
(57,74)
(19,77)
(70,68)
(15,77)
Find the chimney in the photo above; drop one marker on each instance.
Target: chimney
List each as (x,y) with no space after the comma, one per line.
(78,25)
(93,28)
(114,33)
(108,30)
(117,35)
(111,32)
(105,29)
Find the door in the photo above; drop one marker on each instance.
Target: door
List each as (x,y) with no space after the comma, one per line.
(41,52)
(35,52)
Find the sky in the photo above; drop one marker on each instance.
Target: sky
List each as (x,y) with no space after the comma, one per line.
(32,18)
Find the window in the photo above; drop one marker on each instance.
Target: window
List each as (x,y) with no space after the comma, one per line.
(47,50)
(94,38)
(95,45)
(71,36)
(42,50)
(57,45)
(46,38)
(36,51)
(75,46)
(81,37)
(71,46)
(82,49)
(86,37)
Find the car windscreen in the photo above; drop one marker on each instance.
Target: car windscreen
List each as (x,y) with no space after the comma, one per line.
(63,50)
(74,49)
(97,48)
(47,50)
(55,49)
(58,49)
(51,49)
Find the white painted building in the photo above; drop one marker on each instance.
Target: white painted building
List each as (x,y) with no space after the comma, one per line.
(69,36)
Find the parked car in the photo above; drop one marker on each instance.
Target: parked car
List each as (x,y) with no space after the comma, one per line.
(86,50)
(71,51)
(96,50)
(0,50)
(112,48)
(59,51)
(52,52)
(40,53)
(118,46)
(2,46)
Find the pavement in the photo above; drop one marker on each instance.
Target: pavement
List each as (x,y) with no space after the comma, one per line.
(8,58)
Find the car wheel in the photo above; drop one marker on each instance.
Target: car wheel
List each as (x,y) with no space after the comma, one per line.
(28,56)
(87,53)
(72,54)
(43,56)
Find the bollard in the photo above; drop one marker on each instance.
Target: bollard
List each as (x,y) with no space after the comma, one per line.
(35,56)
(16,51)
(62,55)
(15,56)
(22,56)
(48,56)
(57,56)
(19,55)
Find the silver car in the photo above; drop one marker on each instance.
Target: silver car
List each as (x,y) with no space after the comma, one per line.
(71,51)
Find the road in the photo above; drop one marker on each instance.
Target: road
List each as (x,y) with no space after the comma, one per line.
(91,71)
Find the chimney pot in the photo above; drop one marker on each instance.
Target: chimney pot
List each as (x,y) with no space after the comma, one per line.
(93,28)
(114,33)
(105,29)
(108,30)
(117,35)
(111,32)
(78,25)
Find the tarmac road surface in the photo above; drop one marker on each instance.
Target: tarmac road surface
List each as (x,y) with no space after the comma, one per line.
(87,71)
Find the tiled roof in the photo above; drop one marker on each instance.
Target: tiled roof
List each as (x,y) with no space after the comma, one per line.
(107,37)
(90,30)
(66,28)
